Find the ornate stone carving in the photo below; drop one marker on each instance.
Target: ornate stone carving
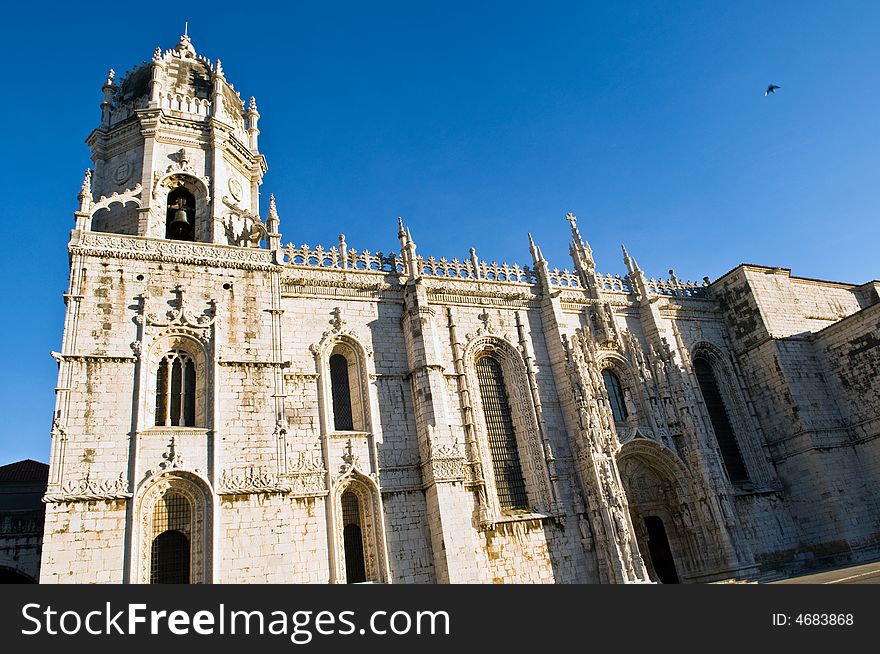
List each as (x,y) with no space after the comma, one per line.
(181,316)
(89,489)
(116,246)
(250,482)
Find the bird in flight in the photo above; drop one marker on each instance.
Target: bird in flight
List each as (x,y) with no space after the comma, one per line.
(771,89)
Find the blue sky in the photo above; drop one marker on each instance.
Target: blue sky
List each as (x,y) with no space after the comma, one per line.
(478,122)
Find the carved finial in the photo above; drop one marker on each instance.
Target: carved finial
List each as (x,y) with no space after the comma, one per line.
(630,262)
(172,458)
(86,190)
(575,234)
(218,69)
(337,321)
(185,43)
(401,231)
(273,209)
(537,255)
(342,240)
(252,105)
(111,74)
(157,55)
(348,455)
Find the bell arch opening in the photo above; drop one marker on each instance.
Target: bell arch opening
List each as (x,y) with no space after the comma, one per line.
(180,215)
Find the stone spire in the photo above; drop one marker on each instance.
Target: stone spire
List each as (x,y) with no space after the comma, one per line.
(107,102)
(85,192)
(581,255)
(253,118)
(537,255)
(638,283)
(407,249)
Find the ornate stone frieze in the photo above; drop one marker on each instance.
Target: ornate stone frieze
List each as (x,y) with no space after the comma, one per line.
(89,489)
(147,249)
(250,482)
(447,464)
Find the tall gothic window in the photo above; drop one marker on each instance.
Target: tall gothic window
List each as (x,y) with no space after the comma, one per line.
(730,453)
(615,395)
(509,481)
(176,390)
(341,392)
(352,539)
(170,550)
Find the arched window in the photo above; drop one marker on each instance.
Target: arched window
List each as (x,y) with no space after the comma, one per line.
(509,482)
(352,538)
(180,217)
(170,548)
(615,395)
(176,390)
(730,453)
(341,391)
(174,524)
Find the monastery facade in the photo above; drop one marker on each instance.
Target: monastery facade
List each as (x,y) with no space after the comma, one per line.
(231,409)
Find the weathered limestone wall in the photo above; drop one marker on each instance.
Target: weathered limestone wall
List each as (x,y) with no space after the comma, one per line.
(798,399)
(84,542)
(272,539)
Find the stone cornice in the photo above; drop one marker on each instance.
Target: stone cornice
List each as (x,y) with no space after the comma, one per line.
(148,249)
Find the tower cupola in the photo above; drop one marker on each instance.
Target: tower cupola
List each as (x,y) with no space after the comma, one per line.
(176,154)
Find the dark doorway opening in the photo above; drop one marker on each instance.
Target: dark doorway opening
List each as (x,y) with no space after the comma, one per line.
(659,551)
(353,539)
(169,560)
(355,573)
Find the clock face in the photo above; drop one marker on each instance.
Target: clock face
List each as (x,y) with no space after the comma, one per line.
(235,188)
(123,172)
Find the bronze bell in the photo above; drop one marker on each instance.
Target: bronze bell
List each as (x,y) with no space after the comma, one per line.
(180,216)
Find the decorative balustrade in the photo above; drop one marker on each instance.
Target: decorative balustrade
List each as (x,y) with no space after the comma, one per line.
(341,258)
(613,283)
(344,258)
(472,269)
(564,278)
(677,288)
(186,103)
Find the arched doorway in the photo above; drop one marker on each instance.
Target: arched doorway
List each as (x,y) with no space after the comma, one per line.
(174,542)
(655,495)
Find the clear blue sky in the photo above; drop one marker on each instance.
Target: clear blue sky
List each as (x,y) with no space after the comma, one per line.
(478,122)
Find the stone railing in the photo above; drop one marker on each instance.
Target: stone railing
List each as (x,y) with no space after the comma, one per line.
(613,283)
(677,288)
(564,278)
(476,270)
(341,258)
(185,103)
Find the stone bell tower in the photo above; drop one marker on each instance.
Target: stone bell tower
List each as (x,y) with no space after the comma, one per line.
(176,154)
